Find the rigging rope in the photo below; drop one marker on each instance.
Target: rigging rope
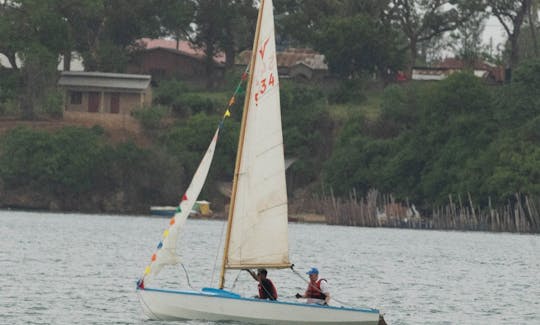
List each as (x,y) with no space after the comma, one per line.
(227,114)
(187,276)
(235,280)
(217,255)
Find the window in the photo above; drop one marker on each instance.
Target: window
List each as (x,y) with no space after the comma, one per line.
(76,98)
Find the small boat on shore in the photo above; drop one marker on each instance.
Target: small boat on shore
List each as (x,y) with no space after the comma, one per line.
(162,211)
(200,209)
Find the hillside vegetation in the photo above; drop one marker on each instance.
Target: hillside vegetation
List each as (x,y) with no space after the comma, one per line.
(420,142)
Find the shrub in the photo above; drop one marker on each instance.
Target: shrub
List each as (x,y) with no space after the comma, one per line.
(349,91)
(53,104)
(10,84)
(150,117)
(188,104)
(10,107)
(168,91)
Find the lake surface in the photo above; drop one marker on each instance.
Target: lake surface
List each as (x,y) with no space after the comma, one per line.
(82,269)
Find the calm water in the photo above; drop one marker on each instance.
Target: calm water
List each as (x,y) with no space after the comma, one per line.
(81,269)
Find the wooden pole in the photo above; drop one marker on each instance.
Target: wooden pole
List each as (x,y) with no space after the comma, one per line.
(240,146)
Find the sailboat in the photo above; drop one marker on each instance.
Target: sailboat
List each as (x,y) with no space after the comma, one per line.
(257,233)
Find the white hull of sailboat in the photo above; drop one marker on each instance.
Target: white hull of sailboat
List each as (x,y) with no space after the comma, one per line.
(217,305)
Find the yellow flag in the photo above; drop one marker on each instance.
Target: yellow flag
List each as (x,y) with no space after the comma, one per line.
(227,113)
(147,270)
(166,233)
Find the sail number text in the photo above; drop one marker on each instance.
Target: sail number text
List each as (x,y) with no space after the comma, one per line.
(263,85)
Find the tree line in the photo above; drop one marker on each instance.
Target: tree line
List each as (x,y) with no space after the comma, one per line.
(356,37)
(104,31)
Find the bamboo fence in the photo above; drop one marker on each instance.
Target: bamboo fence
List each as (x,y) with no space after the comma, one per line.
(520,215)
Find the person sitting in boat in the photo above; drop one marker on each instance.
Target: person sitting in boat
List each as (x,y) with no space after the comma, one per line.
(317,291)
(267,290)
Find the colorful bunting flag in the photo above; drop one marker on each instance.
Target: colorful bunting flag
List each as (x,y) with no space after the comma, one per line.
(232,101)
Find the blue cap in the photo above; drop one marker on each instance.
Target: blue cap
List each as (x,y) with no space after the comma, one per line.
(313,271)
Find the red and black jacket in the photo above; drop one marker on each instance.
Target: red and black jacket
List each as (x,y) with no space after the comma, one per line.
(267,290)
(314,290)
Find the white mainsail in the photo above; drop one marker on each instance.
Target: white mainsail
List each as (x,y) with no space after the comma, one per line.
(166,249)
(258,218)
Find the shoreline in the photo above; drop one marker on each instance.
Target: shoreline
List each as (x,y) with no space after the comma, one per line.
(306,218)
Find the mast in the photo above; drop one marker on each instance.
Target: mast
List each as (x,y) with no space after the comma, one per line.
(241,144)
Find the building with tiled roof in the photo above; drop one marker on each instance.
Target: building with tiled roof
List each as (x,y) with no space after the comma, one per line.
(165,58)
(181,46)
(99,92)
(444,68)
(295,63)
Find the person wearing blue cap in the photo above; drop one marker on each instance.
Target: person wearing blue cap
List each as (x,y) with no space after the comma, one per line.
(317,291)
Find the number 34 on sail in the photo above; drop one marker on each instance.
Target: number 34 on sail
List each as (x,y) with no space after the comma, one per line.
(258,203)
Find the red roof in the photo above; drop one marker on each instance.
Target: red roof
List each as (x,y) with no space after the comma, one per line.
(183,47)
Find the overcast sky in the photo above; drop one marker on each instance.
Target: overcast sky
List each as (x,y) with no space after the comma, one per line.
(494,31)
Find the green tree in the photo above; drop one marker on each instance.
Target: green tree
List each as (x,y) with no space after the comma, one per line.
(226,26)
(78,169)
(357,45)
(445,127)
(189,140)
(298,20)
(511,14)
(422,20)
(176,18)
(13,34)
(60,161)
(26,34)
(37,73)
(306,132)
(467,40)
(112,27)
(355,36)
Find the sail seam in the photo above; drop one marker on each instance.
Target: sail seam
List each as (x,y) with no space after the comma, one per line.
(274,206)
